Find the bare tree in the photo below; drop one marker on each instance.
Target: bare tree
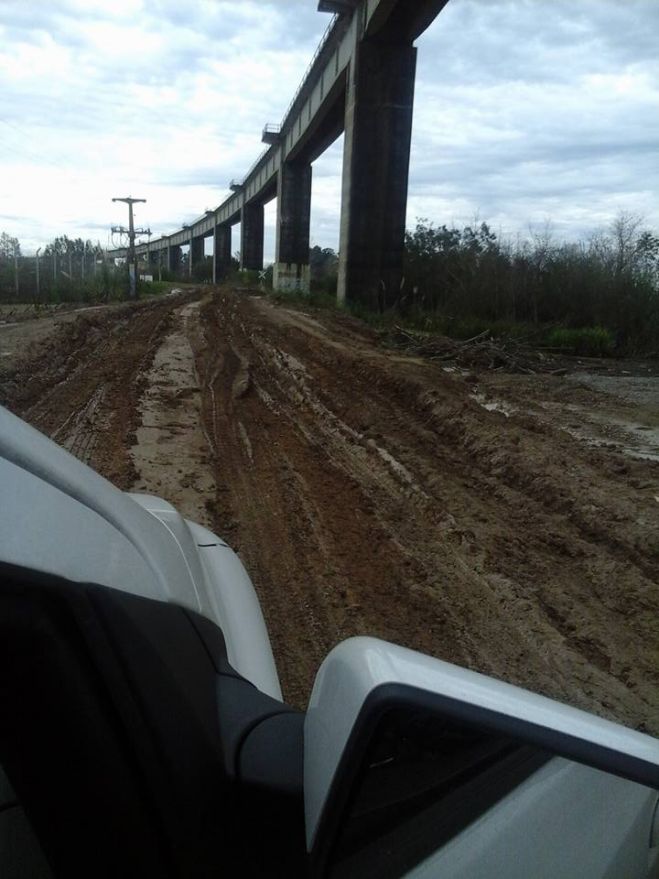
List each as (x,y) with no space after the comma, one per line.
(625,232)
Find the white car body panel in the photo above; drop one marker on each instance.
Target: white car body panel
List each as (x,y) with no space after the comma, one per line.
(358,666)
(234,601)
(225,594)
(43,528)
(59,516)
(565,820)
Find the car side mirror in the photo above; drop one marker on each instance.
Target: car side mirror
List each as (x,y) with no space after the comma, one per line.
(416,767)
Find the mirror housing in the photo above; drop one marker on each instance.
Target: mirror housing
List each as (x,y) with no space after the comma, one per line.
(365,688)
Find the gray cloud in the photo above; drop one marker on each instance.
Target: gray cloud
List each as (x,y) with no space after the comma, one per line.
(530,107)
(524,109)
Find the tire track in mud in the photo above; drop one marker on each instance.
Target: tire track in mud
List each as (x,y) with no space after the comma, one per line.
(82,387)
(404,509)
(370,493)
(258,507)
(172,454)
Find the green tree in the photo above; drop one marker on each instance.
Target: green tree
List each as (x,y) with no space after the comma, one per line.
(10,251)
(9,247)
(324,268)
(468,275)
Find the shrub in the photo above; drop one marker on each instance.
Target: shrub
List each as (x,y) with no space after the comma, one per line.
(463,278)
(586,342)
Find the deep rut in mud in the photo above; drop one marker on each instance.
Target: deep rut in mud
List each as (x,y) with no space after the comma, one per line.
(82,385)
(371,493)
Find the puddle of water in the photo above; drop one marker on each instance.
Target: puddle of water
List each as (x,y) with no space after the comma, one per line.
(645,439)
(641,390)
(606,424)
(493,405)
(629,437)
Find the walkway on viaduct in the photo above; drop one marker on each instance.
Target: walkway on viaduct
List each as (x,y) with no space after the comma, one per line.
(361,81)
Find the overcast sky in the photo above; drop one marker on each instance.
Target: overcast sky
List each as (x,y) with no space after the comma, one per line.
(525,110)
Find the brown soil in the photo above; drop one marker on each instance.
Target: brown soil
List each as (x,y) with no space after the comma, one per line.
(484,519)
(79,378)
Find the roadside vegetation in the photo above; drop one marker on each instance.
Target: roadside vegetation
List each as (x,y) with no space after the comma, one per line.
(592,298)
(68,271)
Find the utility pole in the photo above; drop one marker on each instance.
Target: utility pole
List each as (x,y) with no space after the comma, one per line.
(82,267)
(131,232)
(38,285)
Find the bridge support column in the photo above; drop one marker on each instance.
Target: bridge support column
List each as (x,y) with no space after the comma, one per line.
(251,236)
(196,255)
(221,252)
(173,258)
(378,131)
(291,269)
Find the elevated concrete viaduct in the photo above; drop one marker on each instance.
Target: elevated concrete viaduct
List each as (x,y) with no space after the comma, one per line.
(361,82)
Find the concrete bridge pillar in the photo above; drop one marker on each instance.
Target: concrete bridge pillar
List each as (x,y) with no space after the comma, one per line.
(378,131)
(189,255)
(221,252)
(173,258)
(251,236)
(196,254)
(291,269)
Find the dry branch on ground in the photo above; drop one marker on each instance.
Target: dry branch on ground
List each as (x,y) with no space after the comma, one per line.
(479,352)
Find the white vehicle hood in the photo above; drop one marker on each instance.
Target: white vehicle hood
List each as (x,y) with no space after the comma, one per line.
(59,516)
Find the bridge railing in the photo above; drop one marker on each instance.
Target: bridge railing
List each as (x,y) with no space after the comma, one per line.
(321,45)
(323,41)
(255,165)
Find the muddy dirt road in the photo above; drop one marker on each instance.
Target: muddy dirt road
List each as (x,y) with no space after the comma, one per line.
(480,518)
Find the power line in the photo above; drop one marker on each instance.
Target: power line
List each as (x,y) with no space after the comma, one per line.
(30,153)
(131,232)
